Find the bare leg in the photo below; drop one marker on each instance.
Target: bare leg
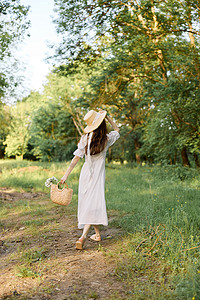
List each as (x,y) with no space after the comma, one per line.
(81,240)
(96,237)
(85,232)
(96,228)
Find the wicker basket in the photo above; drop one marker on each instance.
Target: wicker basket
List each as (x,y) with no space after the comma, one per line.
(63,196)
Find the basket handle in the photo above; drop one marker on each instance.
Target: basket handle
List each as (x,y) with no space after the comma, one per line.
(65,184)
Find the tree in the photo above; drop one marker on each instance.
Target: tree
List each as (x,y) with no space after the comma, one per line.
(147,61)
(5,119)
(13,26)
(17,139)
(55,125)
(53,135)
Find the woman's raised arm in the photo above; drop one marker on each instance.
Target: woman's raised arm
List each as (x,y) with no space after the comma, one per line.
(114,126)
(112,123)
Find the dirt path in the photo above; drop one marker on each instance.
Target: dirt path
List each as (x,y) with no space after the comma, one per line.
(61,272)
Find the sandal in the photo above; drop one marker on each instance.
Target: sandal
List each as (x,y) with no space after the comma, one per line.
(79,244)
(95,237)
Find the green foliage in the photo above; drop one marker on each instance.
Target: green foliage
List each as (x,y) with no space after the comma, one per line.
(173,123)
(17,140)
(42,125)
(13,27)
(123,149)
(140,62)
(53,133)
(146,78)
(5,119)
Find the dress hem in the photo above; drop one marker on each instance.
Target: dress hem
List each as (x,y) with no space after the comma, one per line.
(81,226)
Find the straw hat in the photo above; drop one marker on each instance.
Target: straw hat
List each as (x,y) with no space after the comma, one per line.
(93,120)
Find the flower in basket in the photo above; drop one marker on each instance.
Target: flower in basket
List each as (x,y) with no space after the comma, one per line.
(50,181)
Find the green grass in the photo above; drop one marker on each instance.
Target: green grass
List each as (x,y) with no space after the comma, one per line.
(157,208)
(25,272)
(144,200)
(31,176)
(33,255)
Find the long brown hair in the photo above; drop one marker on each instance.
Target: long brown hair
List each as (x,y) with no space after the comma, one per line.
(99,139)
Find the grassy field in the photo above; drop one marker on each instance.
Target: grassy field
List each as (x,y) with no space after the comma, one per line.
(157,209)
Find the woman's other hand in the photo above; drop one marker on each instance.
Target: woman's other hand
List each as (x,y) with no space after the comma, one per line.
(63,179)
(70,168)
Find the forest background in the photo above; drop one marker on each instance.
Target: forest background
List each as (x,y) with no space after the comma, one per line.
(139,60)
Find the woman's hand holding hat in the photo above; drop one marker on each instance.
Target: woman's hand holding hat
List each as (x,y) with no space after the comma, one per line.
(101,111)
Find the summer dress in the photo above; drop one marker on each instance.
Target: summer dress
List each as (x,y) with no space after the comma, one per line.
(91,194)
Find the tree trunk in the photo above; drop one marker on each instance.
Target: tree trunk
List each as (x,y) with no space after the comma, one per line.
(77,127)
(109,154)
(193,44)
(1,154)
(196,160)
(19,157)
(175,157)
(137,147)
(122,156)
(158,52)
(184,156)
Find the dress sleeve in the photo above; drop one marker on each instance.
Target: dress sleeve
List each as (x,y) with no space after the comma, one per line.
(113,136)
(81,147)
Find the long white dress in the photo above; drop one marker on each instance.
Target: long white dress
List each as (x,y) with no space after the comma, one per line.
(91,194)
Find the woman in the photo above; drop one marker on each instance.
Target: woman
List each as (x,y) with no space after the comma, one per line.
(91,195)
